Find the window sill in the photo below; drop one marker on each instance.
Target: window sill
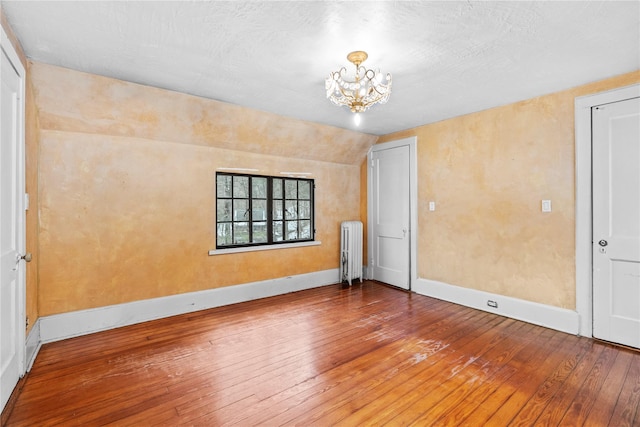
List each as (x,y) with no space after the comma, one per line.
(262,248)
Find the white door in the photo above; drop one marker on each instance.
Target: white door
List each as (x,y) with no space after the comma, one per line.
(12,219)
(390,216)
(616,222)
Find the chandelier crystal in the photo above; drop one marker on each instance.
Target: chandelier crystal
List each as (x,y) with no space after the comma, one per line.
(367,87)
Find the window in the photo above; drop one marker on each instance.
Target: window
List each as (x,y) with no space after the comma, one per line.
(256,210)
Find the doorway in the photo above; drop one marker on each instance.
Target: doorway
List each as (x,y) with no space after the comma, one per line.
(616,221)
(392,218)
(12,221)
(607,208)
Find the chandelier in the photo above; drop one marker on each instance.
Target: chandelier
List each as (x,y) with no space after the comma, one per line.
(366,88)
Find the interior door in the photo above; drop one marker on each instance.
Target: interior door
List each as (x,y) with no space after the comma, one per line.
(390,216)
(616,222)
(12,219)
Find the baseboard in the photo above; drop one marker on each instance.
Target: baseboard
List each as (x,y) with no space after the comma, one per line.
(367,271)
(68,325)
(548,316)
(32,345)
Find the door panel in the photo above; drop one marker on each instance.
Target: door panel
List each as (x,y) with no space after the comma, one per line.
(390,174)
(11,230)
(616,222)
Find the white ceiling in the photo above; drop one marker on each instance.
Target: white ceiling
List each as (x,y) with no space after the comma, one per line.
(447,58)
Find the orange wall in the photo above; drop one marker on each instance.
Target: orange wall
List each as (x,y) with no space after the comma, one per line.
(127,174)
(488,172)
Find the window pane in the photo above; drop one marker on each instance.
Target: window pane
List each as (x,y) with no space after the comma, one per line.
(246,203)
(259,210)
(304,190)
(223,212)
(305,229)
(278,209)
(277,231)
(240,232)
(260,232)
(277,188)
(241,186)
(292,230)
(290,189)
(291,209)
(224,233)
(259,188)
(304,209)
(223,185)
(241,210)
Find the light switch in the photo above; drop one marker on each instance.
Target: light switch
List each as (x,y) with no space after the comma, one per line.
(546,206)
(432,206)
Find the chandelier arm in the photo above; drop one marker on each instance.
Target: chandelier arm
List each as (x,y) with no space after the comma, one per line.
(375,88)
(366,73)
(344,99)
(343,93)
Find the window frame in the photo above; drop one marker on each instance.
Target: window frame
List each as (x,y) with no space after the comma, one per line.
(269,211)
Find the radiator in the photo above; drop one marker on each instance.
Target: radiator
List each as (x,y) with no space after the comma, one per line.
(351,251)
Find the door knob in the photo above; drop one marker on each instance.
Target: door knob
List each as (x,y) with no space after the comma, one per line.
(27,257)
(603,243)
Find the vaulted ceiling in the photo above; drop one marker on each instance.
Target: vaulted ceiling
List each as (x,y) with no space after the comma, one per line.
(447,58)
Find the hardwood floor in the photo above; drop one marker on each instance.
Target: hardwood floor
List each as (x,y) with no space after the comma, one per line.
(366,355)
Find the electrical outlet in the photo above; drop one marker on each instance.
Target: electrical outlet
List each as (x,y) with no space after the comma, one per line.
(492,304)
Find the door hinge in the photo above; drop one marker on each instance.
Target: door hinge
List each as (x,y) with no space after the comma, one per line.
(26,201)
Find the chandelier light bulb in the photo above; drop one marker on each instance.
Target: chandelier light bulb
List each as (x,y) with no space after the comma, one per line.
(357,119)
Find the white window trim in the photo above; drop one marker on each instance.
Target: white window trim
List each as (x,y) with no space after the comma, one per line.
(263,248)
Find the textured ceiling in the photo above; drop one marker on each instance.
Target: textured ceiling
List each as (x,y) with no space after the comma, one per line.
(447,58)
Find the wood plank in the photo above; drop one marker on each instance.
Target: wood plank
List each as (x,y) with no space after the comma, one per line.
(326,360)
(541,380)
(336,352)
(331,385)
(587,385)
(349,397)
(602,409)
(554,387)
(496,366)
(362,355)
(625,412)
(499,393)
(400,396)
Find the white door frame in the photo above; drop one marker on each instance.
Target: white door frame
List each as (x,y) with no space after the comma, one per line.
(413,202)
(584,219)
(9,50)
